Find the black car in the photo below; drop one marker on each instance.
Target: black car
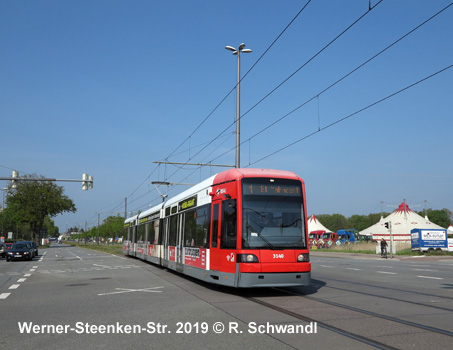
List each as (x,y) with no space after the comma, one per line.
(34,245)
(20,250)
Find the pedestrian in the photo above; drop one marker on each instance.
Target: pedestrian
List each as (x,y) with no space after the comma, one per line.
(383,248)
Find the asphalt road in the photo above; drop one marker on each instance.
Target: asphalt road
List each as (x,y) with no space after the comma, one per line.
(75,298)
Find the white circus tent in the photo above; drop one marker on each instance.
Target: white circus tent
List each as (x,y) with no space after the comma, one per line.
(315,225)
(402,220)
(450,230)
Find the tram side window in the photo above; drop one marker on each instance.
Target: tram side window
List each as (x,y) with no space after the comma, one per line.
(196,227)
(173,230)
(189,228)
(141,232)
(229,220)
(203,220)
(151,232)
(156,232)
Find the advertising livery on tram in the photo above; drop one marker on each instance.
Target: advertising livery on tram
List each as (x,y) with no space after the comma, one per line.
(240,228)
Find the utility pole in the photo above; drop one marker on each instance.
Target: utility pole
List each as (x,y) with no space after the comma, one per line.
(99,218)
(388,225)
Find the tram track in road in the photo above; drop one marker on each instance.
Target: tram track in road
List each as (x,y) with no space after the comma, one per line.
(375,314)
(338,328)
(357,337)
(243,294)
(372,329)
(391,298)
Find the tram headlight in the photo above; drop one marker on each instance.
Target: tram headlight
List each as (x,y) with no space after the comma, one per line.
(303,258)
(247,258)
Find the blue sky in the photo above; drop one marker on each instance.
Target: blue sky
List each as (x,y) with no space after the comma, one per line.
(109,87)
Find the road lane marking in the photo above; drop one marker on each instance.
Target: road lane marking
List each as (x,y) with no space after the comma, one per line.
(124,290)
(32,270)
(78,257)
(388,273)
(4,295)
(433,278)
(27,275)
(20,280)
(14,286)
(350,268)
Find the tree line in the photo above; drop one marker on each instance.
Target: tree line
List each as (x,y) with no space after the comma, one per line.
(110,228)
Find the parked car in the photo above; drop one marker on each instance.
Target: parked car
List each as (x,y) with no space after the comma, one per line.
(3,250)
(34,245)
(20,250)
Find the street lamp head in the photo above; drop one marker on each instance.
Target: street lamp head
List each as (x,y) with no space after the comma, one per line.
(246,50)
(231,48)
(241,46)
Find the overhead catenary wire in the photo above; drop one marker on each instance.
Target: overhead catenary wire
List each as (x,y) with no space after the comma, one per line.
(251,68)
(316,96)
(354,113)
(290,76)
(223,100)
(320,129)
(279,85)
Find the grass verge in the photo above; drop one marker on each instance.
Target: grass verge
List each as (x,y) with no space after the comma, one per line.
(111,249)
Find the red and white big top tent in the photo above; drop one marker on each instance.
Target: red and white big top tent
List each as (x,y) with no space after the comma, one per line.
(315,225)
(402,220)
(450,230)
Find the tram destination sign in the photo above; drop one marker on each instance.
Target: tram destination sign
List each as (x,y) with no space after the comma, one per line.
(271,190)
(188,203)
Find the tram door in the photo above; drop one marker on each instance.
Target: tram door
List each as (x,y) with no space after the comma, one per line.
(134,241)
(180,244)
(224,236)
(164,260)
(215,259)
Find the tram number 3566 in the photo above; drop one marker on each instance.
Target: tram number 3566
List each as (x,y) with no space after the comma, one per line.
(279,256)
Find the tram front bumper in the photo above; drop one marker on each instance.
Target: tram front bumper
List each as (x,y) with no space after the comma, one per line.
(276,279)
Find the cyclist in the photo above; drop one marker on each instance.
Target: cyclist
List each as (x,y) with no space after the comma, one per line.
(383,248)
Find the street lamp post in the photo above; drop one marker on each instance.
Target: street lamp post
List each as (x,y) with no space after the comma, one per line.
(238,99)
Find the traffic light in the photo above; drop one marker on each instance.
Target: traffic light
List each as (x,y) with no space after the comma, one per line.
(387,225)
(14,181)
(87,182)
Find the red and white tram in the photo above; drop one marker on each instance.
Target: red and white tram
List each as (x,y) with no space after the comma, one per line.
(240,228)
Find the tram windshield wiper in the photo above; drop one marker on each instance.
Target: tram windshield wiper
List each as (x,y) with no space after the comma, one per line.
(252,233)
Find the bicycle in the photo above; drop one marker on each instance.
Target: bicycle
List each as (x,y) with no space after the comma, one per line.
(384,252)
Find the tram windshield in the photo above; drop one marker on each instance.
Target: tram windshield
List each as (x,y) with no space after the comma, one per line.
(272,214)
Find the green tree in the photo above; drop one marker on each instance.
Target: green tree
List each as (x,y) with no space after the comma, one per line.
(49,224)
(439,217)
(359,222)
(33,201)
(333,222)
